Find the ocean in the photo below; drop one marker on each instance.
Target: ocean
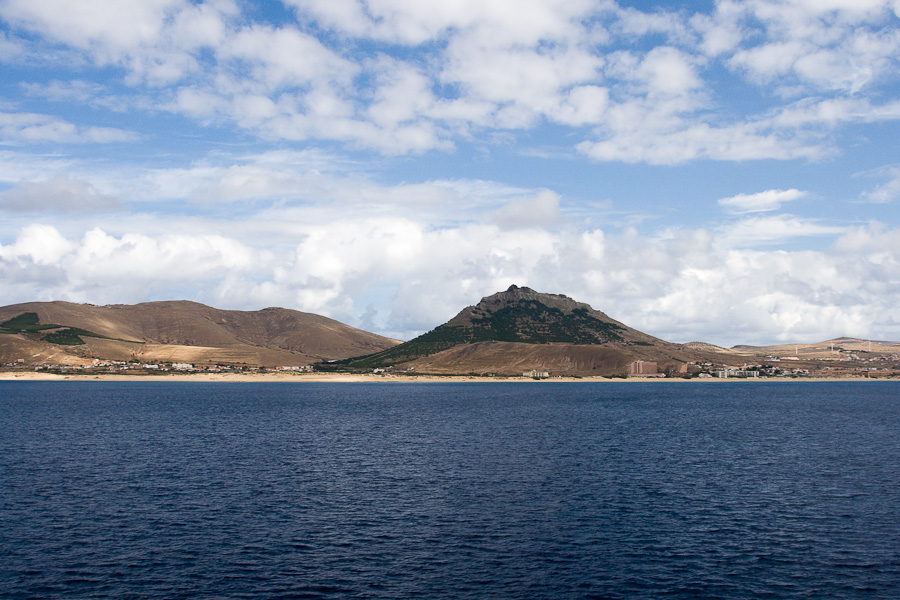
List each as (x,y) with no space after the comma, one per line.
(457,490)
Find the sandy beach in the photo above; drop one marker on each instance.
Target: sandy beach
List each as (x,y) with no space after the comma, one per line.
(277,378)
(377,378)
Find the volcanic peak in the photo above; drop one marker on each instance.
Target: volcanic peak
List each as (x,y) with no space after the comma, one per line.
(518,315)
(518,295)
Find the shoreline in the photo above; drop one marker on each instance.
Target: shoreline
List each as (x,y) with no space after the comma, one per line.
(380,378)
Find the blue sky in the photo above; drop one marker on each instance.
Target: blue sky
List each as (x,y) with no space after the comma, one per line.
(720,171)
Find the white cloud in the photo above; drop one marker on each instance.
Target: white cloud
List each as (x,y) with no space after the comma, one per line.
(61,194)
(10,48)
(104,268)
(582,105)
(285,57)
(875,244)
(102,258)
(831,112)
(105,26)
(312,186)
(405,276)
(37,243)
(888,191)
(17,167)
(759,202)
(720,32)
(76,91)
(635,138)
(764,62)
(155,41)
(411,22)
(636,23)
(778,228)
(667,71)
(538,211)
(480,66)
(18,128)
(839,46)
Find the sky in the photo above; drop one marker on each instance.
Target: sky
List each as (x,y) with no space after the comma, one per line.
(722,171)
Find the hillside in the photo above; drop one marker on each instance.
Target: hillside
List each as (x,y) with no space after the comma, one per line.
(829,349)
(520,330)
(176,331)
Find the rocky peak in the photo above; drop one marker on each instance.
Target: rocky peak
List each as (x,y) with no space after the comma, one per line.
(515,294)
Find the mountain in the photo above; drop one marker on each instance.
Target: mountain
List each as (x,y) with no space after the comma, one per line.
(176,331)
(521,330)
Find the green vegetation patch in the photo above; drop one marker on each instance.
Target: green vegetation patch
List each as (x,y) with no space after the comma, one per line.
(531,322)
(29,323)
(64,337)
(24,323)
(434,341)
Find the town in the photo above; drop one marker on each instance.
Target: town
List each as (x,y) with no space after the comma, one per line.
(848,365)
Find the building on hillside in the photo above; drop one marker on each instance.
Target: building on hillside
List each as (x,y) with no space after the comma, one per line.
(536,374)
(739,373)
(642,368)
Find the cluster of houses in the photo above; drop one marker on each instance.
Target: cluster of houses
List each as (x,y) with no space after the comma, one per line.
(878,366)
(710,370)
(119,365)
(756,371)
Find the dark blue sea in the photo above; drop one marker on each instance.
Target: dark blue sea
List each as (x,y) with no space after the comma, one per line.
(533,490)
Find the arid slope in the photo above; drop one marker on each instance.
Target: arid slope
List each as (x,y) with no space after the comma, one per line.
(180,331)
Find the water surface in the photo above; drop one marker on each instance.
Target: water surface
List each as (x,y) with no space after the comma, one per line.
(177,490)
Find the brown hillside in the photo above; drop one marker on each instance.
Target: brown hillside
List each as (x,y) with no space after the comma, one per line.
(513,358)
(183,331)
(833,349)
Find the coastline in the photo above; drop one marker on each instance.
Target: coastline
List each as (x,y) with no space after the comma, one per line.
(382,378)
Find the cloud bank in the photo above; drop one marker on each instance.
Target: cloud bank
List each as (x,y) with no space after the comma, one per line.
(723,285)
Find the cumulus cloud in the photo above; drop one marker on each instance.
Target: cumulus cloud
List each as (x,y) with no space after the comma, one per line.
(285,57)
(824,45)
(39,244)
(83,23)
(692,284)
(663,71)
(413,23)
(477,65)
(732,294)
(100,267)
